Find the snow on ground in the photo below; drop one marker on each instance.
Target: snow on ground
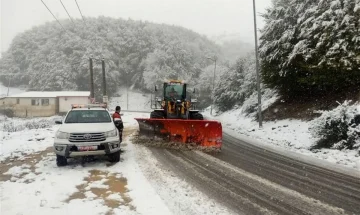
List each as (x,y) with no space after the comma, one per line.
(31,183)
(81,189)
(131,100)
(17,140)
(44,188)
(293,135)
(179,196)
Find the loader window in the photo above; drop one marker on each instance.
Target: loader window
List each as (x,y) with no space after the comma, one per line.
(174,91)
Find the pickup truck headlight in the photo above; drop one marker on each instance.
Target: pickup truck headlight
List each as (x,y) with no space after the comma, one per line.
(62,135)
(111,133)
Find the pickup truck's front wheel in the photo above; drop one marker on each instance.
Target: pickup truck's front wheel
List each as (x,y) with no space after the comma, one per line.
(61,160)
(114,157)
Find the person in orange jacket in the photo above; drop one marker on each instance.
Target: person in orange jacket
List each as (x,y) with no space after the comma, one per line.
(118,121)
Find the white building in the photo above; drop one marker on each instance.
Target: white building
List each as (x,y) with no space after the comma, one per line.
(39,104)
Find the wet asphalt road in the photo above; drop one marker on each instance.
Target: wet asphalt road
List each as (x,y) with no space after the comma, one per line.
(250,180)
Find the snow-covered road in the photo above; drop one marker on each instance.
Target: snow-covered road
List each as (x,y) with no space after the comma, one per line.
(31,183)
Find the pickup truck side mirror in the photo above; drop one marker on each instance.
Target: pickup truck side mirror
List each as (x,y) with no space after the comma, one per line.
(58,122)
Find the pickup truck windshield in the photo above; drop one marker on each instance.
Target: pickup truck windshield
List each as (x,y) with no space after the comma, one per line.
(88,116)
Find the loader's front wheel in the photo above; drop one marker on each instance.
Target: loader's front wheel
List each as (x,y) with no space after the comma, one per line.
(157,115)
(197,116)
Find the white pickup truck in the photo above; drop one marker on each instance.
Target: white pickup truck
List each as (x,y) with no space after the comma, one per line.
(87,130)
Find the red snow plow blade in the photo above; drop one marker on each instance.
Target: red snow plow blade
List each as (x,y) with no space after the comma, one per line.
(205,133)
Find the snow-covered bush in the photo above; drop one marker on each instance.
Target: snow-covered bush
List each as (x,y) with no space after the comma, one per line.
(14,125)
(338,128)
(237,84)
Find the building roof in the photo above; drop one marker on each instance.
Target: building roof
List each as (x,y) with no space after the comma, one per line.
(51,94)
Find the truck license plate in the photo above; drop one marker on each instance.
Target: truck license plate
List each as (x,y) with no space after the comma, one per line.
(87,148)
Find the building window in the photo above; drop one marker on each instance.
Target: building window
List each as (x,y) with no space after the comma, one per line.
(34,102)
(17,101)
(44,102)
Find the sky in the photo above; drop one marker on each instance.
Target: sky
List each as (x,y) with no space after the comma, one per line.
(207,17)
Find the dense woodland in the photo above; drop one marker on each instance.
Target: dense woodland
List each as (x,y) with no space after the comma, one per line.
(137,54)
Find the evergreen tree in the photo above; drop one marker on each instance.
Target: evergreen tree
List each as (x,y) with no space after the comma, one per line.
(311,46)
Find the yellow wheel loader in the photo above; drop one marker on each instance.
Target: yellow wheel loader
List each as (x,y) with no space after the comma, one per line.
(175,119)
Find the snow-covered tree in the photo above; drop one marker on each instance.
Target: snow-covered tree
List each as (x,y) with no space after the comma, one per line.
(311,46)
(236,84)
(48,58)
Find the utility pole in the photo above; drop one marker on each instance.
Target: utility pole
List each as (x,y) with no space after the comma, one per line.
(257,68)
(105,97)
(92,96)
(127,96)
(8,89)
(213,84)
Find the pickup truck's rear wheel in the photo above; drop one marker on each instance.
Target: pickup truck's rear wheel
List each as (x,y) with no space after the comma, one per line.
(61,160)
(114,157)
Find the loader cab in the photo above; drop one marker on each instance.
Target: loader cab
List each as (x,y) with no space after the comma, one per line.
(174,91)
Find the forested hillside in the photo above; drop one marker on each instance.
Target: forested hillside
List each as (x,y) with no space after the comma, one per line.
(309,53)
(311,47)
(141,53)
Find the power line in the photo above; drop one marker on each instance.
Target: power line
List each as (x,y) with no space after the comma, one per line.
(80,12)
(67,12)
(96,43)
(54,16)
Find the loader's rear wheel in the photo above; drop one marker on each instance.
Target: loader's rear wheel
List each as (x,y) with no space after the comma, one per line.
(197,116)
(157,115)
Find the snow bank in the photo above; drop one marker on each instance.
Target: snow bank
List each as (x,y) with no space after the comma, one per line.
(292,135)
